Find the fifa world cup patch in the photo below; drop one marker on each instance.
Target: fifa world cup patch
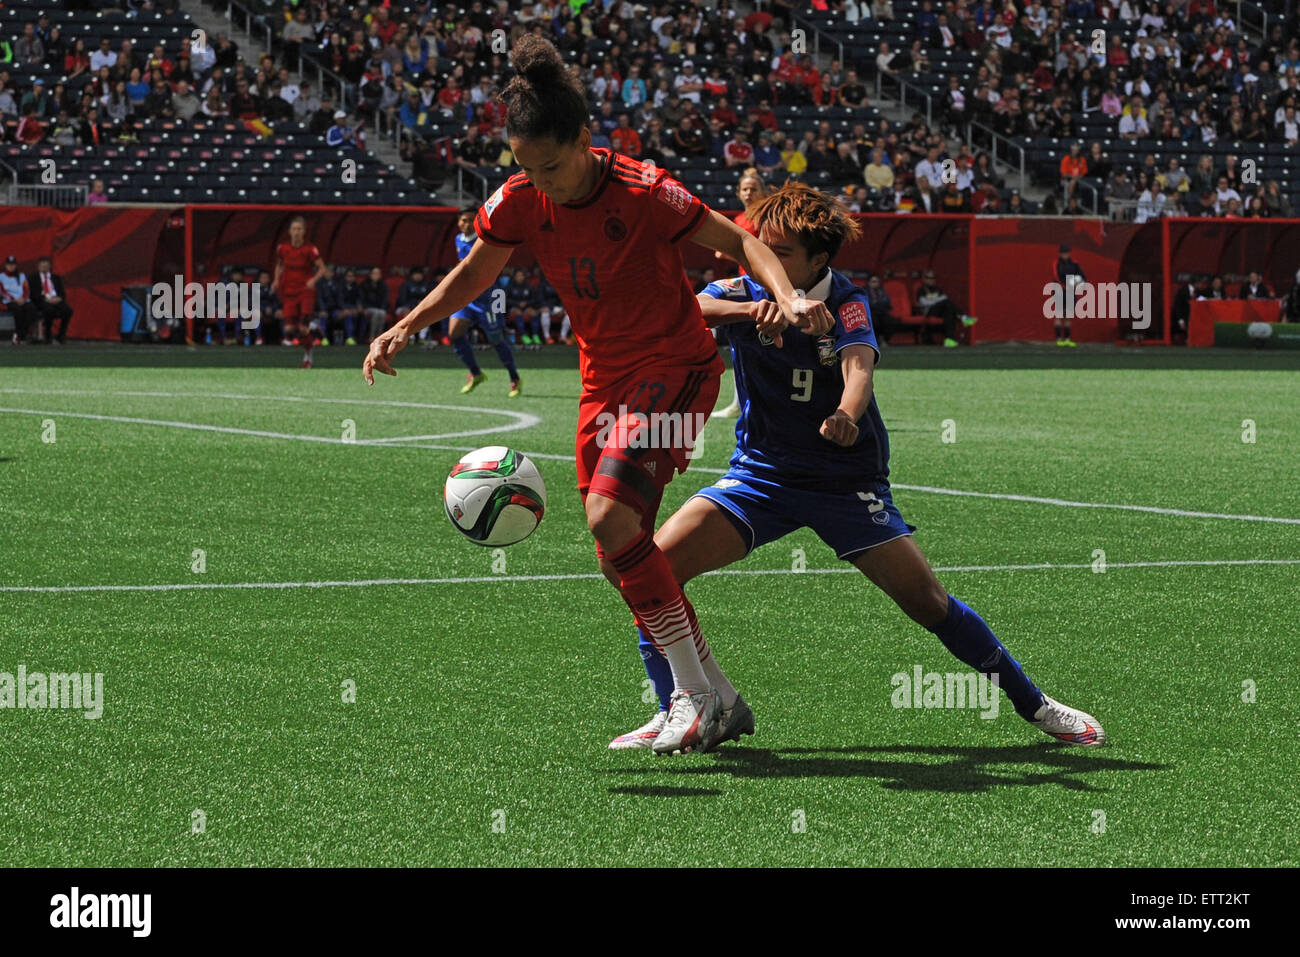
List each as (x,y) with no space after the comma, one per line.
(493,203)
(675,196)
(854,316)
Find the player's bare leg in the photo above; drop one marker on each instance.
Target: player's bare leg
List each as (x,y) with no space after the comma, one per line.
(647,584)
(900,570)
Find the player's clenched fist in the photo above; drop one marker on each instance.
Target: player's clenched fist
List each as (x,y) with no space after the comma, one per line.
(810,315)
(839,428)
(382,350)
(768,319)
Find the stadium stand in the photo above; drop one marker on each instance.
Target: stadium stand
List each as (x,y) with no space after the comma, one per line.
(1138,109)
(1023,81)
(1030,83)
(452,62)
(150,152)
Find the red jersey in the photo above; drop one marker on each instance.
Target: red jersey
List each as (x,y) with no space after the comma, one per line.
(740,152)
(299,266)
(615,260)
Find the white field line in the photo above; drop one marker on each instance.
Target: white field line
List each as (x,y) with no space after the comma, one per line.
(585,576)
(519,420)
(525,420)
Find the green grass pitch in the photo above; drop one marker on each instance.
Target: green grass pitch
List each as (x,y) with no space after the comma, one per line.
(483,708)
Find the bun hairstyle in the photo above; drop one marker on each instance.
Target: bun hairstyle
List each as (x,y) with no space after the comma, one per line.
(543,99)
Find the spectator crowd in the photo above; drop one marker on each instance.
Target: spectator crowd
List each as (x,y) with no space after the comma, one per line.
(101,92)
(677,82)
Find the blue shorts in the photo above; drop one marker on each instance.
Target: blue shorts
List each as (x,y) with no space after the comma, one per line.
(492,324)
(849,522)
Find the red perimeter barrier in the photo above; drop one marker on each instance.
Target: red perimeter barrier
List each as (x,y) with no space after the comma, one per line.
(993,268)
(1204,314)
(96,250)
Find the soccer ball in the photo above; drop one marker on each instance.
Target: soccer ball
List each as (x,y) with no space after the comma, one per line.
(495,496)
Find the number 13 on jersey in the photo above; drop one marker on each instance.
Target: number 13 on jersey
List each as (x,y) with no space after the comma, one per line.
(583,273)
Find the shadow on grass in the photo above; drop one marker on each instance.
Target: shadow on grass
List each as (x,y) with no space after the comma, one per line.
(664,791)
(904,767)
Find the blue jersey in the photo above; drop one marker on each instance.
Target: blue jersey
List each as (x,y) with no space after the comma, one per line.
(786,393)
(463,245)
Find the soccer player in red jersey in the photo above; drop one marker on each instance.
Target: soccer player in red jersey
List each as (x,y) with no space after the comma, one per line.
(607,231)
(298,265)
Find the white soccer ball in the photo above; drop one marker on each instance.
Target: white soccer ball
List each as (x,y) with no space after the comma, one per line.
(1259,330)
(495,496)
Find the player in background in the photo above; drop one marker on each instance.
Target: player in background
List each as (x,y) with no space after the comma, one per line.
(1068,273)
(608,230)
(521,301)
(749,190)
(552,313)
(481,313)
(812,450)
(298,267)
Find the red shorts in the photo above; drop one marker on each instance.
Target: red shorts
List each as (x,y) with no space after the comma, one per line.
(298,305)
(632,437)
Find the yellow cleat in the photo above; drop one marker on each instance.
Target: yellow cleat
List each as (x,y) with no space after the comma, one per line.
(473,382)
(516,387)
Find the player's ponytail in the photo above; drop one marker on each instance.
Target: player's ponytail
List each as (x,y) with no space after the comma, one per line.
(543,99)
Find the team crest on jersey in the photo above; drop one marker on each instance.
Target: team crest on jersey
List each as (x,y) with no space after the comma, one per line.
(615,229)
(731,286)
(826,351)
(675,196)
(493,203)
(854,316)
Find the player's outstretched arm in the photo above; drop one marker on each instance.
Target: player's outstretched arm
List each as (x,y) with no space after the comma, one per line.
(722,235)
(841,426)
(719,312)
(764,313)
(471,276)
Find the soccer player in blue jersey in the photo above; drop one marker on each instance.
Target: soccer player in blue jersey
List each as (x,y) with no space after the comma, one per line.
(480,313)
(812,451)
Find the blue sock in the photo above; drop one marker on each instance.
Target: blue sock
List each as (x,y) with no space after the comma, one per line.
(656,666)
(965,634)
(507,356)
(466,353)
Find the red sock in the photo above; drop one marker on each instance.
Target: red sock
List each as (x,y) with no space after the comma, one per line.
(647,584)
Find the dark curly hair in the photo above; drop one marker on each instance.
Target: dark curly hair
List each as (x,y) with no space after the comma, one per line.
(543,99)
